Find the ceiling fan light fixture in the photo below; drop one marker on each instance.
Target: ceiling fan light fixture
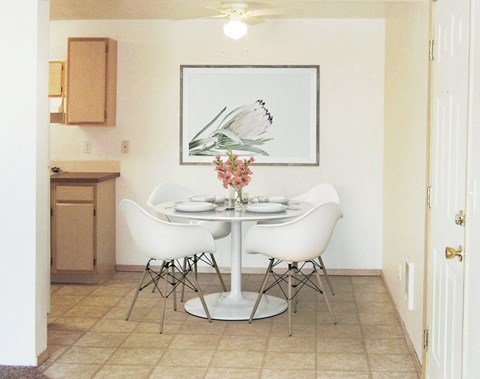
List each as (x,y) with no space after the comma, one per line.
(235,29)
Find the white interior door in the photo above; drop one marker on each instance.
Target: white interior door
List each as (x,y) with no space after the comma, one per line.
(448,177)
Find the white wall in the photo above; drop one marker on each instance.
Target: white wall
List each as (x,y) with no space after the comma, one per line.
(24,220)
(406,158)
(351,58)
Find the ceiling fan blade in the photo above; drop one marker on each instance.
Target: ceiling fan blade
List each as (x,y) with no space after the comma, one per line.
(270,12)
(252,20)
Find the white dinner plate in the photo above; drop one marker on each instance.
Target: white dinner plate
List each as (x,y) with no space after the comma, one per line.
(270,199)
(195,206)
(266,208)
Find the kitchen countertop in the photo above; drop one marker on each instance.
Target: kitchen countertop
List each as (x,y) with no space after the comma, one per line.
(82,177)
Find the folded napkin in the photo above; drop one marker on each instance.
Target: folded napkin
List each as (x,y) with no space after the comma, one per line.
(270,199)
(208,198)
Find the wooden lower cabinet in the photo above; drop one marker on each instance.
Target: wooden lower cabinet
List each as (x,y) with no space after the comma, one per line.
(82,232)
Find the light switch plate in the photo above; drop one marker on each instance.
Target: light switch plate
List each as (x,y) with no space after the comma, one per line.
(124,147)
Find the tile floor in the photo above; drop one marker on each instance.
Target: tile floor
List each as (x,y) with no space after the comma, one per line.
(88,336)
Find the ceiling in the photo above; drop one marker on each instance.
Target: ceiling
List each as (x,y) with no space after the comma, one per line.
(185,9)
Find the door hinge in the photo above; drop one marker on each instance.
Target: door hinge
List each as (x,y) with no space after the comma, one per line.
(51,261)
(105,115)
(429,196)
(51,212)
(94,262)
(106,48)
(94,212)
(431,56)
(425,339)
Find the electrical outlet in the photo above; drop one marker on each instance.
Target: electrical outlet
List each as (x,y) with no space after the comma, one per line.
(124,147)
(87,147)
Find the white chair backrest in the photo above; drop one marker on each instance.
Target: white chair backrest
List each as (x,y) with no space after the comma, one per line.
(322,193)
(164,240)
(299,240)
(168,191)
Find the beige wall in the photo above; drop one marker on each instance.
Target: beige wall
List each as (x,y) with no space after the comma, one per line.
(351,58)
(405,160)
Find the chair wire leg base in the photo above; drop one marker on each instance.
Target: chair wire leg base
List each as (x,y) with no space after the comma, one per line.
(200,293)
(164,299)
(215,266)
(290,272)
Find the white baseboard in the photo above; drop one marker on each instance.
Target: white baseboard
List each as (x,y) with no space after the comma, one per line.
(261,270)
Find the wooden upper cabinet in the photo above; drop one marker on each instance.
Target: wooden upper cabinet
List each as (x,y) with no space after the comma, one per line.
(91,81)
(56,78)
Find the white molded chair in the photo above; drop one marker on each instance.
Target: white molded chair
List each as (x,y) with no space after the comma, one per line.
(169,191)
(321,193)
(165,242)
(298,241)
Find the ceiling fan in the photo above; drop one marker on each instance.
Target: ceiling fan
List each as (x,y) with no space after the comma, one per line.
(239,15)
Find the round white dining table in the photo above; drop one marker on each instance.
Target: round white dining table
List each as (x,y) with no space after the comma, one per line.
(235,304)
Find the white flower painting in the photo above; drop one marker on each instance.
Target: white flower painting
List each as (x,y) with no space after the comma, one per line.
(270,112)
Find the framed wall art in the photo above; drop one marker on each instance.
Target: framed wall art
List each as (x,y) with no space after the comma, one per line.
(270,112)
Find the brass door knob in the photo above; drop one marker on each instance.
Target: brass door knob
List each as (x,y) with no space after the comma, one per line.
(451,253)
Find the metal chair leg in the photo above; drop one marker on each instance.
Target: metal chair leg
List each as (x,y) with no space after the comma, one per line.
(322,288)
(290,270)
(215,266)
(164,302)
(140,283)
(174,281)
(184,267)
(295,286)
(322,266)
(260,293)
(200,294)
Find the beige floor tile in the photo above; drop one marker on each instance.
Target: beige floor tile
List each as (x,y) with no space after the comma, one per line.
(339,331)
(90,355)
(243,328)
(340,345)
(71,371)
(87,311)
(136,356)
(243,343)
(372,297)
(364,307)
(341,317)
(76,289)
(101,339)
(153,340)
(55,351)
(169,372)
(395,375)
(293,344)
(66,299)
(238,359)
(187,358)
(99,301)
(281,360)
(116,326)
(386,346)
(232,373)
(288,374)
(343,375)
(63,337)
(88,335)
(191,342)
(382,331)
(123,372)
(342,362)
(78,324)
(391,362)
(378,319)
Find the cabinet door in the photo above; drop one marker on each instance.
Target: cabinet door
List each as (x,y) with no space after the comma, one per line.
(86,89)
(74,237)
(55,78)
